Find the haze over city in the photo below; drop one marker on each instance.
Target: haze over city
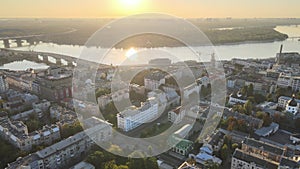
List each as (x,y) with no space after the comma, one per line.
(150,84)
(180,8)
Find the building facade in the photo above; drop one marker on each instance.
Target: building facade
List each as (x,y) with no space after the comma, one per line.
(133,116)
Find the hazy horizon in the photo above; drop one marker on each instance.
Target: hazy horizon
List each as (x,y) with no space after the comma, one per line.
(120,8)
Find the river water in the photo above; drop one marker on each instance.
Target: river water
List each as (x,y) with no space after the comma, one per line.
(223,52)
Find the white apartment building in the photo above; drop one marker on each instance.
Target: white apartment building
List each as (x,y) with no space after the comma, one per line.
(3,84)
(133,117)
(283,101)
(288,80)
(176,115)
(237,98)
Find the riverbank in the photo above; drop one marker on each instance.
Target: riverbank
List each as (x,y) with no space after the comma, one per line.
(249,31)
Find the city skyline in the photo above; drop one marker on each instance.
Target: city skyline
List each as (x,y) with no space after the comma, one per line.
(118,8)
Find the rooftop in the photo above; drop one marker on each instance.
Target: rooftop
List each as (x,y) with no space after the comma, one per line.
(250,157)
(264,146)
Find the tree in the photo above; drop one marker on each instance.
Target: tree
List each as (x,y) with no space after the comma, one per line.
(248,107)
(259,98)
(96,158)
(115,149)
(211,165)
(69,130)
(260,114)
(250,90)
(297,123)
(244,90)
(102,91)
(234,146)
(32,125)
(8,153)
(267,119)
(136,163)
(110,165)
(277,118)
(224,152)
(298,95)
(269,97)
(151,163)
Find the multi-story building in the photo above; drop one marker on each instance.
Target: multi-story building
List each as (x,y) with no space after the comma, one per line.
(242,159)
(120,95)
(55,84)
(16,133)
(133,117)
(252,122)
(43,105)
(206,155)
(193,88)
(18,102)
(63,115)
(62,153)
(104,100)
(176,115)
(289,80)
(3,84)
(260,155)
(160,61)
(290,105)
(237,98)
(153,80)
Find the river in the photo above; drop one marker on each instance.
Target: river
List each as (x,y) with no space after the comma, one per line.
(256,50)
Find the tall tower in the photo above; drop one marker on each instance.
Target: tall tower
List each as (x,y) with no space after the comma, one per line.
(279,55)
(213,60)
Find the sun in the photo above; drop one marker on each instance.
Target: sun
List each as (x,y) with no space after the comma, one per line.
(130,3)
(131,52)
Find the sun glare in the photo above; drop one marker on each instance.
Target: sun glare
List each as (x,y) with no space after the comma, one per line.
(131,52)
(130,3)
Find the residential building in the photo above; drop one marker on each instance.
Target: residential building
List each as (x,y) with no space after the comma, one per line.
(16,133)
(176,115)
(160,61)
(237,98)
(245,160)
(62,153)
(153,80)
(188,90)
(55,84)
(133,116)
(264,149)
(289,80)
(291,105)
(120,95)
(251,122)
(179,145)
(83,165)
(267,131)
(3,84)
(206,155)
(42,105)
(203,81)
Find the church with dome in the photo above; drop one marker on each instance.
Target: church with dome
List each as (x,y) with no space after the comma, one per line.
(292,106)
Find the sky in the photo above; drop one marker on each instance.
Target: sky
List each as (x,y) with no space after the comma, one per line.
(180,8)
